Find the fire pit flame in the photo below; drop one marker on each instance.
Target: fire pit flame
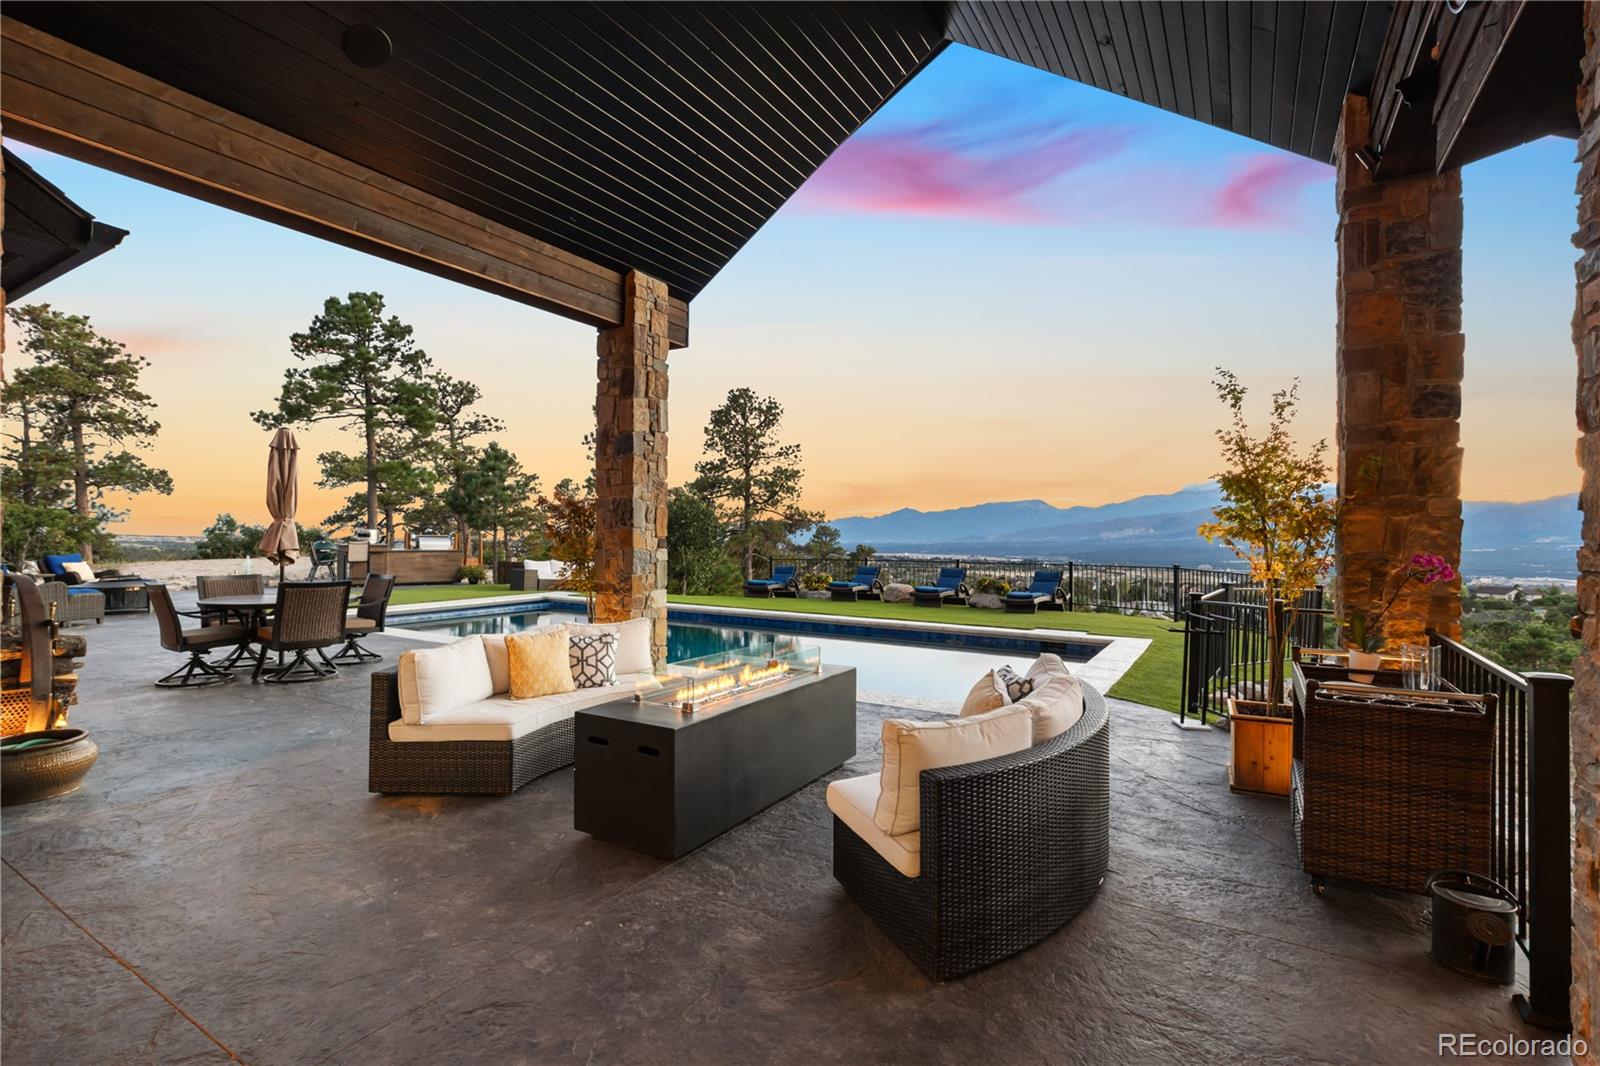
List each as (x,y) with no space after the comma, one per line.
(729,684)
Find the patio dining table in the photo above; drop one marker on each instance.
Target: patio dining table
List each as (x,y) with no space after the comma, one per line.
(251,610)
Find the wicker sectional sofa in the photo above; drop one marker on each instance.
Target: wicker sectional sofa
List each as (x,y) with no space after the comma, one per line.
(488,746)
(1009,850)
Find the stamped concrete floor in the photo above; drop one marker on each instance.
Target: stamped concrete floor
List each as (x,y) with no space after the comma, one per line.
(224,885)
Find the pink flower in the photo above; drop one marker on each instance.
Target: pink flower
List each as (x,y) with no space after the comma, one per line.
(1432,569)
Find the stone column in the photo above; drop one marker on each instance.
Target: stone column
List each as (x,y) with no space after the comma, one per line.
(1586,671)
(630,462)
(1399,385)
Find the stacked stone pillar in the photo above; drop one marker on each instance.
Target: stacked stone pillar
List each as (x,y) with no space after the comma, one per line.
(630,462)
(1399,386)
(1586,671)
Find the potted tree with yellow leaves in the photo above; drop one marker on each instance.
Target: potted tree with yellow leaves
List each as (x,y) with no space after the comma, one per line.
(1278,517)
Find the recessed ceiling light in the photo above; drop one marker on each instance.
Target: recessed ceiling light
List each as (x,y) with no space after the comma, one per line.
(366,45)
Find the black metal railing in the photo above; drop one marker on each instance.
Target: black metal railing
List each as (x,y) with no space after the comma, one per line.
(1226,650)
(1130,589)
(1532,815)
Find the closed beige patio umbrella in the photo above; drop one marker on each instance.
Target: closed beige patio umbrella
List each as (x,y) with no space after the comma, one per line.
(281,543)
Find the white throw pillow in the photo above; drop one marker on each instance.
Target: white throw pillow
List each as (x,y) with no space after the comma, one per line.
(634,639)
(82,571)
(1054,706)
(912,747)
(441,679)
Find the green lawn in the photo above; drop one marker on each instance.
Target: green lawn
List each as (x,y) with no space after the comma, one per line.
(434,593)
(1153,680)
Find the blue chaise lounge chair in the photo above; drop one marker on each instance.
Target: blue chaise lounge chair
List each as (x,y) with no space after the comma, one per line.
(951,586)
(781,583)
(864,585)
(1044,591)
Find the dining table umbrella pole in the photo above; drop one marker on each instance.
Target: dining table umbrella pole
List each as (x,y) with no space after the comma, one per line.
(281,542)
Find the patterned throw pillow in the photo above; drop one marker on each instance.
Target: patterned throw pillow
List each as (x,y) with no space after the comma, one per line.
(1017,686)
(593,658)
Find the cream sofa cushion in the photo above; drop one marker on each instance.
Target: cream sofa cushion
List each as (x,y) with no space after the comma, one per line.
(912,747)
(989,694)
(1054,706)
(853,801)
(435,680)
(501,718)
(634,642)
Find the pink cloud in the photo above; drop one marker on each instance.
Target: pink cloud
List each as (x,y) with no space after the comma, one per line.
(989,168)
(1261,191)
(944,170)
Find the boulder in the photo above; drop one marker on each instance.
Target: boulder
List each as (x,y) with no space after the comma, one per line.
(897,593)
(988,600)
(813,594)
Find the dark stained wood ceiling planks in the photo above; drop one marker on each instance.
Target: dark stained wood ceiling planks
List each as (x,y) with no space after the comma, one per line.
(662,136)
(651,136)
(1274,72)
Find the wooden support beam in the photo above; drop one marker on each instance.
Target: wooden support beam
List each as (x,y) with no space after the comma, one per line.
(65,99)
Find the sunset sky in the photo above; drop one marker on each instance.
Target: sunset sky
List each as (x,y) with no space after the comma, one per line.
(1007,285)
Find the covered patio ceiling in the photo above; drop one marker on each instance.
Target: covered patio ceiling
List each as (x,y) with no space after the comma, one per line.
(650,137)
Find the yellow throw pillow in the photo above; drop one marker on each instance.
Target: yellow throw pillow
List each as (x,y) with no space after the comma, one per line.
(539,665)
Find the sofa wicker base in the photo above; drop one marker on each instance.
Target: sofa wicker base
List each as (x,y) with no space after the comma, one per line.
(457,767)
(1012,848)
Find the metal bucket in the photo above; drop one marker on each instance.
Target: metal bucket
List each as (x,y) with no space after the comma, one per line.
(1474,925)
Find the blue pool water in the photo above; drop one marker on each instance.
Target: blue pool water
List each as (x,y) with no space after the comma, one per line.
(937,673)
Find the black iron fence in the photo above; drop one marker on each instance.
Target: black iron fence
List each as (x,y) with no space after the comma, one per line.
(1225,647)
(1152,590)
(1225,652)
(1532,815)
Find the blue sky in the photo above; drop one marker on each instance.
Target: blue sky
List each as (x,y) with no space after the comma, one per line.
(1054,268)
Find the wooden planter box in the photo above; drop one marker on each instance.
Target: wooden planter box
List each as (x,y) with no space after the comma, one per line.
(1261,748)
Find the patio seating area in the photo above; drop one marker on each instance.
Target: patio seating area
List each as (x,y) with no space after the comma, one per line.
(224,884)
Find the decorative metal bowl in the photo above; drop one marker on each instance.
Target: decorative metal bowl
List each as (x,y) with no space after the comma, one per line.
(45,770)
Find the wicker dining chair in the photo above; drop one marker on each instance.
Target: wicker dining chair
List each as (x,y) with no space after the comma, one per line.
(197,642)
(226,585)
(309,616)
(368,619)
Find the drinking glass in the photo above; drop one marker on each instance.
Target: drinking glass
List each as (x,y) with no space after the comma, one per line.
(1412,669)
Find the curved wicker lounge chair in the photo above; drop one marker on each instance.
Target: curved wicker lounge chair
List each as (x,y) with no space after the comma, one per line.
(783,582)
(368,619)
(1011,849)
(1043,591)
(197,642)
(864,585)
(951,585)
(309,616)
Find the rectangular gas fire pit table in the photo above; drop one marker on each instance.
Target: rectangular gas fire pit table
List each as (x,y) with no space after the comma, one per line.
(663,780)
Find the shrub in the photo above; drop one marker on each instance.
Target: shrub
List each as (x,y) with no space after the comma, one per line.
(994,586)
(814,581)
(472,573)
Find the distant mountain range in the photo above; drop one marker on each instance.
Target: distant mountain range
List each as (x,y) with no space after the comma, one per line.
(1519,540)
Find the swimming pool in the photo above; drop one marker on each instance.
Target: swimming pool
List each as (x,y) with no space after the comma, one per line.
(941,672)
